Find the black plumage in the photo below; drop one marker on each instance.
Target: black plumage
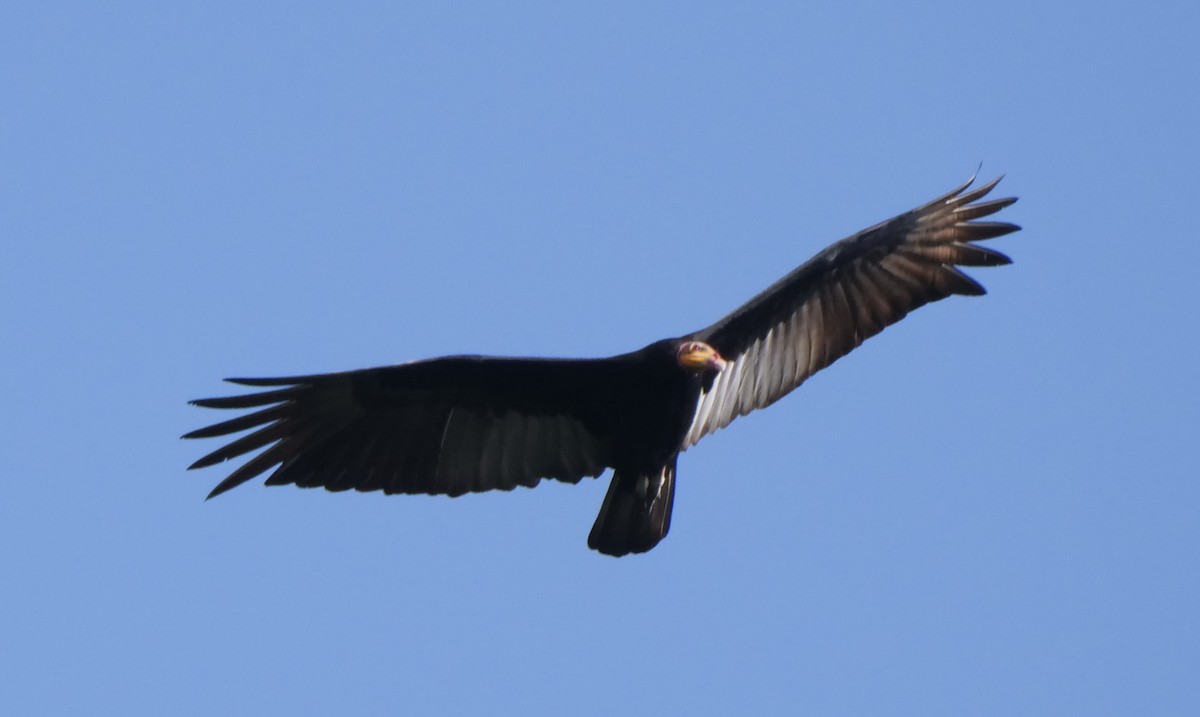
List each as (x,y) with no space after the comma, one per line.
(473,423)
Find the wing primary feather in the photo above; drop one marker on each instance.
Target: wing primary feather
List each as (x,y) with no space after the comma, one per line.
(295,448)
(328,460)
(897,290)
(281,381)
(957,253)
(241,423)
(887,292)
(922,275)
(870,309)
(956,282)
(305,464)
(243,445)
(252,468)
(250,400)
(982,209)
(980,231)
(948,196)
(858,306)
(978,193)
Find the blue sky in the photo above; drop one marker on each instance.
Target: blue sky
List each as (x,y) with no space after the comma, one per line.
(991,508)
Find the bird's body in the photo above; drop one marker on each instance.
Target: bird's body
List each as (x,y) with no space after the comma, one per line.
(464,424)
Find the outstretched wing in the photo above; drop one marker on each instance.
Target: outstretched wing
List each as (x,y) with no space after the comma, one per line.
(843,296)
(445,426)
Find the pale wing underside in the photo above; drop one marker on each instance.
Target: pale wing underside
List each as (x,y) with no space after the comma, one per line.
(844,295)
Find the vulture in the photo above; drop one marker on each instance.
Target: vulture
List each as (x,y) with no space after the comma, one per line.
(464,424)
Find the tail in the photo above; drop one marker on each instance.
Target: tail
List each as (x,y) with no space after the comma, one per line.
(636,513)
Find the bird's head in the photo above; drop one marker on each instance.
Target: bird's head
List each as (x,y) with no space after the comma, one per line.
(699,357)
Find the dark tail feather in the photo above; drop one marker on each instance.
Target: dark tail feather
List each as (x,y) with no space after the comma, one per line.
(636,513)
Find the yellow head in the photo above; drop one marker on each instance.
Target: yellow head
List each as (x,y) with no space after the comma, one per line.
(699,357)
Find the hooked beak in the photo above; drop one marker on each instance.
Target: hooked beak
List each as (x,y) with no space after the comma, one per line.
(700,357)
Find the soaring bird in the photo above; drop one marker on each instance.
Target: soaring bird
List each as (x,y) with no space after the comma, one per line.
(463,424)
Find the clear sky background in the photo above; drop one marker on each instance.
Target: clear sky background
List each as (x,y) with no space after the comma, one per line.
(990,509)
